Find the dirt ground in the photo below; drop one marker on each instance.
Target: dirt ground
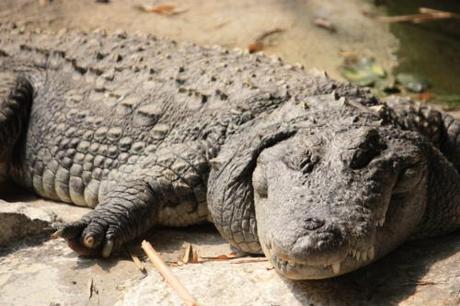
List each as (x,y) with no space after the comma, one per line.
(46,272)
(230,24)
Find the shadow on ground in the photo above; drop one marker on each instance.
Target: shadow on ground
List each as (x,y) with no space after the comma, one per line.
(419,271)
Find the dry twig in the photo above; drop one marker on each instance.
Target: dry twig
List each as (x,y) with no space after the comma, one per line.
(259,43)
(167,274)
(425,14)
(139,264)
(249,260)
(92,288)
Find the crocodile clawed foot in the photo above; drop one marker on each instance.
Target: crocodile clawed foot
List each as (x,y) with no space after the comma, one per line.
(96,234)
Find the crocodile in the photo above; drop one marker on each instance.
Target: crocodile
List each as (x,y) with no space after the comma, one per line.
(319,175)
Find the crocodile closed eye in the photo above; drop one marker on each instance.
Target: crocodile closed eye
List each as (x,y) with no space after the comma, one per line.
(302,162)
(409,177)
(367,151)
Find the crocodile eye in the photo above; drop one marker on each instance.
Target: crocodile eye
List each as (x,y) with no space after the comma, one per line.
(371,147)
(301,162)
(409,178)
(362,157)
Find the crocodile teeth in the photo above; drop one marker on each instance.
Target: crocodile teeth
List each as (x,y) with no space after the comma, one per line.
(371,253)
(355,254)
(380,221)
(352,253)
(336,268)
(363,255)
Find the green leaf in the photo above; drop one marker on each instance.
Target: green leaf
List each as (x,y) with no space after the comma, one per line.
(412,82)
(362,71)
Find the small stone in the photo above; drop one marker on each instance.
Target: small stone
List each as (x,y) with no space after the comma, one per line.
(18,221)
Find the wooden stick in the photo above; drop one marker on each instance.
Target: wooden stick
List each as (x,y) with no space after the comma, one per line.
(426,10)
(188,251)
(139,264)
(167,274)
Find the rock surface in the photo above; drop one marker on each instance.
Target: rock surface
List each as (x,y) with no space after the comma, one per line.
(39,271)
(422,273)
(21,220)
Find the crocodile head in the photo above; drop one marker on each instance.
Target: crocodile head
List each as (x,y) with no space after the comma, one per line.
(330,202)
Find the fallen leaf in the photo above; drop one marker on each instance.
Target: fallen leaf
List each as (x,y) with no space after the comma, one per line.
(325,24)
(425,96)
(161,9)
(255,47)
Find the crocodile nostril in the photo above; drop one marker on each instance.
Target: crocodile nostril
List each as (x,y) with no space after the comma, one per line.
(312,224)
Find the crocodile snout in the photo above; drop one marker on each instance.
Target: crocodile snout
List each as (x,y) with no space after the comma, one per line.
(318,243)
(317,251)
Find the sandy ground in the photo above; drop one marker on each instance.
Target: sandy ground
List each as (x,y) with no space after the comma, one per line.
(230,24)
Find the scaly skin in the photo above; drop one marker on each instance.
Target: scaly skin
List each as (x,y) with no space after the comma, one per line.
(318,175)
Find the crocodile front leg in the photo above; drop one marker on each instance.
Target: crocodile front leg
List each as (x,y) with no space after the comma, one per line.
(127,211)
(167,188)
